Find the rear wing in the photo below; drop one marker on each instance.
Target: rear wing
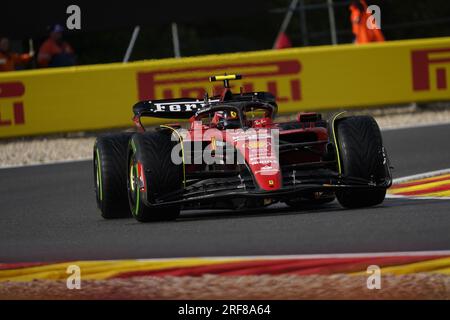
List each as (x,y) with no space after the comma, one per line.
(185,108)
(180,108)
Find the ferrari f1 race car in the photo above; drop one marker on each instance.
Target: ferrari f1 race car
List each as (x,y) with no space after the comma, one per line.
(233,155)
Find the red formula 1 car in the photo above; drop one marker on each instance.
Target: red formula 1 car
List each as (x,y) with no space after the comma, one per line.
(234,155)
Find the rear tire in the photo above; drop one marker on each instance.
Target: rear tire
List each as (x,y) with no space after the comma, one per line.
(361,156)
(152,174)
(110,175)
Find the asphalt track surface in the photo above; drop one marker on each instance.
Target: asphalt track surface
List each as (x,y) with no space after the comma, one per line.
(48,213)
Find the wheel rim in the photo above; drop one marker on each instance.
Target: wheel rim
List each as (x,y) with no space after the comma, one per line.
(133,185)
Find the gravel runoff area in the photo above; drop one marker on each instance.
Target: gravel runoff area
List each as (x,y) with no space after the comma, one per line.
(78,146)
(271,287)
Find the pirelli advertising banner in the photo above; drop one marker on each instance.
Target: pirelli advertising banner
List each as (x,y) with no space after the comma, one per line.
(312,79)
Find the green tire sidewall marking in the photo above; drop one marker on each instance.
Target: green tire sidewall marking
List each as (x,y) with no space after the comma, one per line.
(99,175)
(138,192)
(338,156)
(135,173)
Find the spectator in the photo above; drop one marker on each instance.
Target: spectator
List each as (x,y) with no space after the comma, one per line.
(55,52)
(9,60)
(359,17)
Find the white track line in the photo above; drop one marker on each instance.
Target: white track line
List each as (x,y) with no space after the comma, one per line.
(13,166)
(422,125)
(318,256)
(396,196)
(416,177)
(421,175)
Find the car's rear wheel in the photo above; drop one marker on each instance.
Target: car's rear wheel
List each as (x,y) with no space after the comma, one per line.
(110,174)
(361,155)
(151,175)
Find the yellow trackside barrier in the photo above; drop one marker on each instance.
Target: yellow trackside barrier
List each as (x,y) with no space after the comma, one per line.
(317,78)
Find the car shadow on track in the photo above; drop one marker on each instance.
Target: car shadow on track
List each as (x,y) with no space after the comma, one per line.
(270,211)
(284,210)
(277,210)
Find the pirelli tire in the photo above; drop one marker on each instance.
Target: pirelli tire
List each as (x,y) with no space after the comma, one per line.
(361,155)
(110,174)
(151,175)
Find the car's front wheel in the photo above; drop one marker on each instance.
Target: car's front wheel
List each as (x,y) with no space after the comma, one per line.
(361,155)
(151,175)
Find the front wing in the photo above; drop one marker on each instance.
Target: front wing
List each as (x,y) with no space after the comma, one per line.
(211,190)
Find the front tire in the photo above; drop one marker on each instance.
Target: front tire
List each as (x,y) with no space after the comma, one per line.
(152,174)
(110,175)
(362,155)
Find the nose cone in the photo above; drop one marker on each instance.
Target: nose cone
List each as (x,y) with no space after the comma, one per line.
(261,155)
(267,178)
